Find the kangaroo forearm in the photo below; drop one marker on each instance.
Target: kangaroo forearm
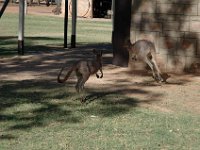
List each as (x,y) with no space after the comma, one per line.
(99,76)
(101,73)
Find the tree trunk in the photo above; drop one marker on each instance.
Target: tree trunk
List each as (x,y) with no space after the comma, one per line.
(121,33)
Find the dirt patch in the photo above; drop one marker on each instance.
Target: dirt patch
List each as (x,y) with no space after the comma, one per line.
(36,10)
(41,10)
(181,93)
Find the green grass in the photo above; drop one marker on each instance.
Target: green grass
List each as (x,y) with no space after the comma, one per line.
(47,33)
(43,115)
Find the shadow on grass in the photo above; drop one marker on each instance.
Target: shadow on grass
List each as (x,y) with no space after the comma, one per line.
(7,137)
(30,104)
(8,45)
(47,59)
(35,103)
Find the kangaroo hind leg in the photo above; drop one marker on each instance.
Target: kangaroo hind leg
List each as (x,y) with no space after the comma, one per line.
(82,83)
(79,80)
(149,63)
(85,78)
(155,66)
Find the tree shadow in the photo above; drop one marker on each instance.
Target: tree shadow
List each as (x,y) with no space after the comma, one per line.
(36,103)
(52,102)
(7,137)
(49,60)
(9,45)
(34,93)
(56,45)
(112,104)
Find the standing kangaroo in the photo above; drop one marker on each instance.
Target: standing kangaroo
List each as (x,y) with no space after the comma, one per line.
(144,50)
(83,69)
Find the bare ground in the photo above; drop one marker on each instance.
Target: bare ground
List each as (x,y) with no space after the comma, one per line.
(36,10)
(181,93)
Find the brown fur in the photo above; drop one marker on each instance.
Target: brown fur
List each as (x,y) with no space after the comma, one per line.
(144,50)
(83,69)
(165,76)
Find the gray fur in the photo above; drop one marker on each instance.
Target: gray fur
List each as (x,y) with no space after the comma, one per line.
(144,50)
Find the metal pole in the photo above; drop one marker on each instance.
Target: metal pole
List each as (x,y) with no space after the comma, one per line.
(4,7)
(25,9)
(113,18)
(65,23)
(74,16)
(21,28)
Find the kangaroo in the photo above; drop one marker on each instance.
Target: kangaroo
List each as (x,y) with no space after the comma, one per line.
(83,69)
(144,50)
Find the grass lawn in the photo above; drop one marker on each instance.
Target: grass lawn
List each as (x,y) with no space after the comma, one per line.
(44,115)
(47,33)
(41,115)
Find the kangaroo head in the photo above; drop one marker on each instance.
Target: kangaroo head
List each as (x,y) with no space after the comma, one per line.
(98,53)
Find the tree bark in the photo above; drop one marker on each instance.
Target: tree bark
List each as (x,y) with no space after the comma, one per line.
(121,33)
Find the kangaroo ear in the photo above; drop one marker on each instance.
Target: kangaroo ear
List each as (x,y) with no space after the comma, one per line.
(94,51)
(127,44)
(101,52)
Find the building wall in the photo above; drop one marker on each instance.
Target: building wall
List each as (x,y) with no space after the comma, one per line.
(174,27)
(90,8)
(84,8)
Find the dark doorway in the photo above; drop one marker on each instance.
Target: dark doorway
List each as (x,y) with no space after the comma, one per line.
(102,8)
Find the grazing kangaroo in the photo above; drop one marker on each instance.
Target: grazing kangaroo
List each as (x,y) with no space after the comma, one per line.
(144,50)
(83,69)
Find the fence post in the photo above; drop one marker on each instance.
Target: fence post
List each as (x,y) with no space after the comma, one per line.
(65,23)
(21,28)
(74,17)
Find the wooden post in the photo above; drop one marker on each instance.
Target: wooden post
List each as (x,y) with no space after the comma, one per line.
(74,17)
(65,23)
(25,9)
(21,28)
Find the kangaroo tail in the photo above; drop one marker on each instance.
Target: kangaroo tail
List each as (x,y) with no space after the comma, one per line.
(66,77)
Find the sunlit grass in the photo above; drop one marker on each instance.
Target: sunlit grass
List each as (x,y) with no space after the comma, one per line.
(42,115)
(48,32)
